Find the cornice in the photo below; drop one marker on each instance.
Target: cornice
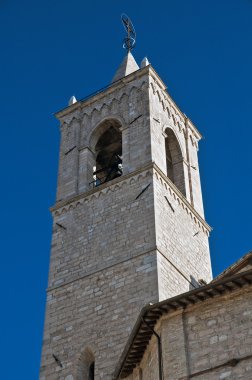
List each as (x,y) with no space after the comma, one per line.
(236,267)
(64,205)
(102,188)
(111,88)
(181,199)
(98,95)
(185,119)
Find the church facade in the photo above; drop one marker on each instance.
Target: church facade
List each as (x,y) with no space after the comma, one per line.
(129,231)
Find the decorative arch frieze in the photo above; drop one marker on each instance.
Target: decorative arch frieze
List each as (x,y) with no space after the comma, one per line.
(133,91)
(180,202)
(114,105)
(105,109)
(103,191)
(168,106)
(153,87)
(168,112)
(95,115)
(117,98)
(76,114)
(159,96)
(70,135)
(193,141)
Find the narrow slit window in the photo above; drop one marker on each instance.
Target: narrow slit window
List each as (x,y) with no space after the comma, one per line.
(91,371)
(86,366)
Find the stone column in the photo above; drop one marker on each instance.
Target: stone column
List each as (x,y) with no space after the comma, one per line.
(86,165)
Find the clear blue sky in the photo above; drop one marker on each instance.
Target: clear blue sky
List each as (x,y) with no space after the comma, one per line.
(53,49)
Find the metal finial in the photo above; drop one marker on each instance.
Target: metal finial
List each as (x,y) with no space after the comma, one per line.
(129,41)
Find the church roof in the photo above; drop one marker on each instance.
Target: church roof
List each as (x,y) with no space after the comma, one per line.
(243,264)
(127,67)
(141,334)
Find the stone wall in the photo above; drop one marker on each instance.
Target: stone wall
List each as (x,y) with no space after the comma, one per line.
(103,271)
(96,312)
(104,227)
(128,104)
(206,337)
(164,114)
(182,241)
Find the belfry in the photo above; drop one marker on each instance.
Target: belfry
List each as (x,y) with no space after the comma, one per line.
(128,222)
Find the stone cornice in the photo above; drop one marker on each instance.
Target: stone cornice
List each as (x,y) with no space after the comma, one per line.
(163,87)
(181,198)
(99,95)
(100,188)
(151,167)
(157,78)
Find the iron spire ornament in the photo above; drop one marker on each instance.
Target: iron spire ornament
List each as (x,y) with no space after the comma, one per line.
(129,41)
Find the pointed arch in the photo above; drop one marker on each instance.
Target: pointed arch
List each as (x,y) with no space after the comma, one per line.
(106,143)
(86,365)
(104,109)
(114,105)
(174,160)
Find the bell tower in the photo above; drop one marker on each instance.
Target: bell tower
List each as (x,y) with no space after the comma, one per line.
(128,222)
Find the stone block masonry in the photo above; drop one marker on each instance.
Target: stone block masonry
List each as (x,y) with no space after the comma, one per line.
(130,241)
(211,340)
(103,271)
(97,312)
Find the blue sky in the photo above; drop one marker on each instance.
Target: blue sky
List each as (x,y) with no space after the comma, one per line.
(51,50)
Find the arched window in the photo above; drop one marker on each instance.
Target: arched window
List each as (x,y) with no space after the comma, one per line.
(108,150)
(91,371)
(174,161)
(86,366)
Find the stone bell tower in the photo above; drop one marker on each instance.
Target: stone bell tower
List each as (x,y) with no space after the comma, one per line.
(128,223)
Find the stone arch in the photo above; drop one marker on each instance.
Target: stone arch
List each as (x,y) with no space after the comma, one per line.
(86,365)
(174,160)
(106,144)
(101,127)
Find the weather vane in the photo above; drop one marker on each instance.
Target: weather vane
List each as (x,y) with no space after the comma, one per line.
(129,41)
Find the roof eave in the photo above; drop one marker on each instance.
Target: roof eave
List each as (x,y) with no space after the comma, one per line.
(229,284)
